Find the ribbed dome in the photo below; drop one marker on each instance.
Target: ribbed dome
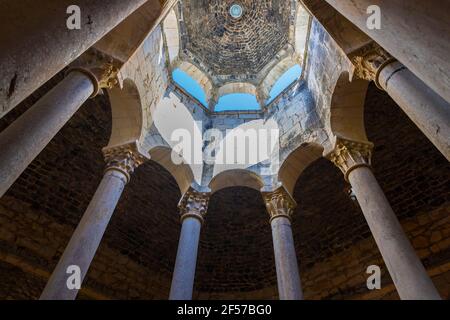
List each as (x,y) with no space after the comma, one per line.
(240,45)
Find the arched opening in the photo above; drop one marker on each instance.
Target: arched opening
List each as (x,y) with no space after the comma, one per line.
(236,178)
(140,243)
(297,161)
(290,76)
(333,242)
(236,87)
(179,130)
(326,225)
(126,114)
(236,259)
(248,145)
(190,85)
(347,108)
(182,173)
(413,174)
(200,79)
(288,67)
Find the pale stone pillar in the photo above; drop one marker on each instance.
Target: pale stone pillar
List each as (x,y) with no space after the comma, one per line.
(121,162)
(193,207)
(414,31)
(26,137)
(35,42)
(429,111)
(280,207)
(406,270)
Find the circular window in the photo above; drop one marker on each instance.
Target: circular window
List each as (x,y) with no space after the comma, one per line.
(236,11)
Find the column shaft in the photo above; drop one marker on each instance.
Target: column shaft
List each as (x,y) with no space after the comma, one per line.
(84,242)
(423,50)
(35,43)
(26,137)
(288,278)
(427,110)
(184,273)
(406,270)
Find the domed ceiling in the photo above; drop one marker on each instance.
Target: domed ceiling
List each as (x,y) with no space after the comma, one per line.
(235,37)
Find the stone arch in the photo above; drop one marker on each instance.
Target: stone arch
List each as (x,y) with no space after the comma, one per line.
(297,161)
(347,108)
(301,32)
(236,178)
(181,172)
(126,106)
(235,258)
(172,35)
(198,75)
(237,87)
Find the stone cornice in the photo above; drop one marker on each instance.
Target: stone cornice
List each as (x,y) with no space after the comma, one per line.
(124,158)
(279,203)
(194,204)
(349,155)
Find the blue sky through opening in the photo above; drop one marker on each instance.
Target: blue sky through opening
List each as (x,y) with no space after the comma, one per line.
(190,85)
(237,102)
(284,81)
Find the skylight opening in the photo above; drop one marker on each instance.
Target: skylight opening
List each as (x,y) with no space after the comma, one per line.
(190,85)
(237,102)
(289,77)
(236,11)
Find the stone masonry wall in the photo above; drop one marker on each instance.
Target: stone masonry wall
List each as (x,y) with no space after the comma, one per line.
(32,242)
(343,276)
(326,61)
(148,69)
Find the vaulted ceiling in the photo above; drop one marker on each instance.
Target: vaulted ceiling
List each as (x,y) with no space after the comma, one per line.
(230,46)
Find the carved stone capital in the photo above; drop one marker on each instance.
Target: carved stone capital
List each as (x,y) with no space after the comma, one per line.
(194,204)
(103,76)
(349,155)
(125,159)
(369,61)
(279,203)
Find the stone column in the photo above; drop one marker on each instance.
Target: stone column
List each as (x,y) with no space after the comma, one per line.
(121,162)
(429,111)
(415,32)
(35,42)
(280,207)
(26,137)
(193,207)
(406,270)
